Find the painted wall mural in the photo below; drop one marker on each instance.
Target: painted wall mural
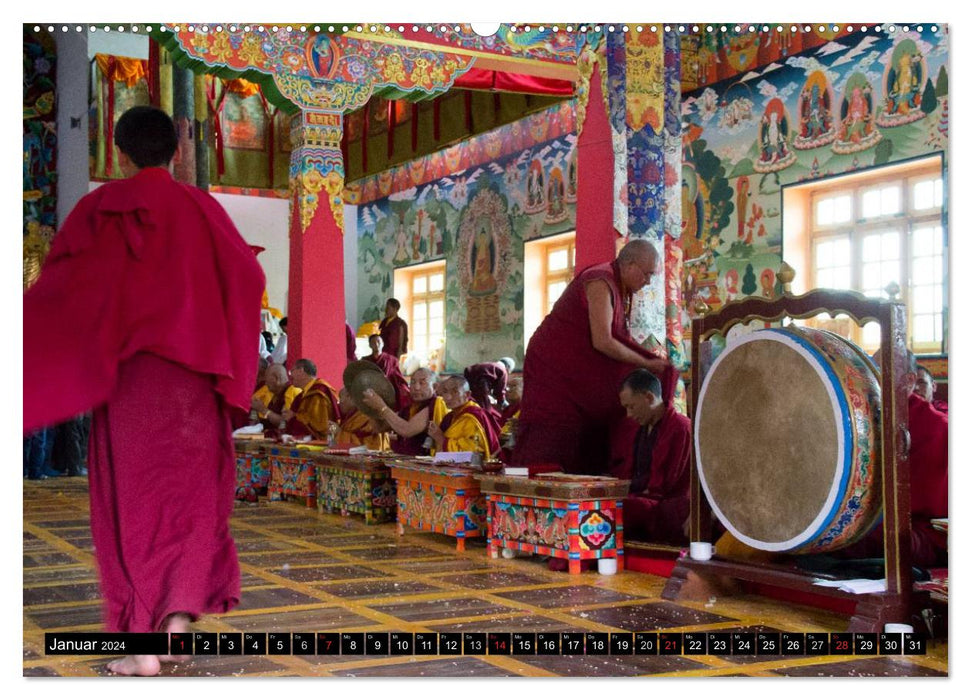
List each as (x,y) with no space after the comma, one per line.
(860,100)
(478,219)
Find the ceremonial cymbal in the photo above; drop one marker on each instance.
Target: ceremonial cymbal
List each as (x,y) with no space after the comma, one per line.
(375,380)
(355,368)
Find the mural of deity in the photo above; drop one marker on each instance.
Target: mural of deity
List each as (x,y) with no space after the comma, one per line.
(556,198)
(816,124)
(903,85)
(857,131)
(535,189)
(401,243)
(323,56)
(774,152)
(483,260)
(571,177)
(692,213)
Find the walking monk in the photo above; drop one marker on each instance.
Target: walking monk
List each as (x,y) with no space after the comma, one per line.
(146,312)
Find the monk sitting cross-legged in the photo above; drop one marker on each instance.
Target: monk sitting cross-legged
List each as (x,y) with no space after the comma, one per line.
(356,428)
(317,405)
(410,424)
(282,395)
(466,427)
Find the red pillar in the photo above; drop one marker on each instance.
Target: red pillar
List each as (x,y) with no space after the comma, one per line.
(315,313)
(596,239)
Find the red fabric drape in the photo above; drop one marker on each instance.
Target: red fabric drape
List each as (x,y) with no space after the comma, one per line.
(481,79)
(110,130)
(154,91)
(217,130)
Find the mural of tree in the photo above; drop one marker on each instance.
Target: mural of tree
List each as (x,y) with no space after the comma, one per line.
(711,170)
(941,90)
(748,281)
(928,101)
(884,151)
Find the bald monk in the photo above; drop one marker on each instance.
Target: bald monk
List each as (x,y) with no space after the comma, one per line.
(393,330)
(514,397)
(657,506)
(410,424)
(282,395)
(389,365)
(145,312)
(575,360)
(312,412)
(466,427)
(357,428)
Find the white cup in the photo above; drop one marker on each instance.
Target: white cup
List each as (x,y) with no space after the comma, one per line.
(606,567)
(897,628)
(700,551)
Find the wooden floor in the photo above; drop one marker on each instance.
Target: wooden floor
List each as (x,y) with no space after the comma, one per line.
(308,572)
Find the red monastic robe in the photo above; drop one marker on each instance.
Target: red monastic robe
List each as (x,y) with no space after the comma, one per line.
(471,409)
(388,364)
(146,312)
(571,415)
(509,411)
(485,380)
(319,404)
(414,445)
(394,335)
(351,343)
(657,507)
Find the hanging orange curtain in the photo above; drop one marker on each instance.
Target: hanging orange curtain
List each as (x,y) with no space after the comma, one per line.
(117,69)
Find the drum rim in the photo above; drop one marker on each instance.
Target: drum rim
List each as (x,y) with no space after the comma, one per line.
(843,420)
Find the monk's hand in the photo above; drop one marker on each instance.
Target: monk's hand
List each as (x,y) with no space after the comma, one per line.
(374,401)
(435,432)
(286,414)
(258,406)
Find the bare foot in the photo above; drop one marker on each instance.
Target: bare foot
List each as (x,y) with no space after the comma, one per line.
(137,665)
(177,623)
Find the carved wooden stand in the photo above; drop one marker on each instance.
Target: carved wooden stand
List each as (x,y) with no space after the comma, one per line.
(697,580)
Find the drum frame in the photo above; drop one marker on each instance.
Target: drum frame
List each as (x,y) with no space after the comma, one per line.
(697,580)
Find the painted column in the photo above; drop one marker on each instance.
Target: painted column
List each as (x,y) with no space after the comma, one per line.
(72,120)
(316,298)
(596,240)
(183,114)
(202,130)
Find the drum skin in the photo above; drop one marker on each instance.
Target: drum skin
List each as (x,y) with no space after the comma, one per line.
(787,440)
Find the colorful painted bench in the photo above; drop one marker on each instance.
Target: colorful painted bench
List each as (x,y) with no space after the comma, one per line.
(355,484)
(565,516)
(252,468)
(293,472)
(439,498)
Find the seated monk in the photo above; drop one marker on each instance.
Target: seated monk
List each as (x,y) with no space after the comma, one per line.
(657,507)
(466,427)
(315,408)
(262,396)
(357,428)
(487,381)
(389,365)
(514,395)
(410,424)
(282,395)
(925,387)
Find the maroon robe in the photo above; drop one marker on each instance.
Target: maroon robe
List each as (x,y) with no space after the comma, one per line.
(296,427)
(351,343)
(145,312)
(488,379)
(394,335)
(476,412)
(571,415)
(414,445)
(928,489)
(276,405)
(388,364)
(657,507)
(509,411)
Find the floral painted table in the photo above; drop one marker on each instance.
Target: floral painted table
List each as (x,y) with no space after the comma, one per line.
(355,484)
(293,472)
(252,468)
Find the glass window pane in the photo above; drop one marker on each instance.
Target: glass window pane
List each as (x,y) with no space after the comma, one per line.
(436,282)
(824,254)
(923,240)
(871,334)
(841,209)
(419,284)
(436,309)
(938,192)
(891,246)
(938,298)
(841,278)
(841,251)
(923,271)
(419,312)
(924,194)
(923,328)
(558,260)
(824,212)
(573,256)
(871,204)
(553,292)
(435,327)
(871,277)
(923,300)
(889,272)
(890,200)
(871,248)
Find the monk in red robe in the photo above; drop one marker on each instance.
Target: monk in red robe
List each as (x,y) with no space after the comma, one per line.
(657,507)
(410,424)
(394,331)
(351,343)
(514,397)
(487,381)
(576,360)
(466,428)
(388,364)
(146,312)
(925,387)
(315,407)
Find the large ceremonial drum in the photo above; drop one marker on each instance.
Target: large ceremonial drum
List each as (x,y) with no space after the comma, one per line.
(787,440)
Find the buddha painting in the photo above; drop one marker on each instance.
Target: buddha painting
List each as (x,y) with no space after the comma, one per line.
(857,131)
(483,260)
(817,127)
(903,85)
(774,151)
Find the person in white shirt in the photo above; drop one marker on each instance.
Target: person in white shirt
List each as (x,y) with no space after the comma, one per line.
(279,354)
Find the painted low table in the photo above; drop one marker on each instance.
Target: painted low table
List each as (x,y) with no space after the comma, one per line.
(293,472)
(355,484)
(439,498)
(561,515)
(252,468)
